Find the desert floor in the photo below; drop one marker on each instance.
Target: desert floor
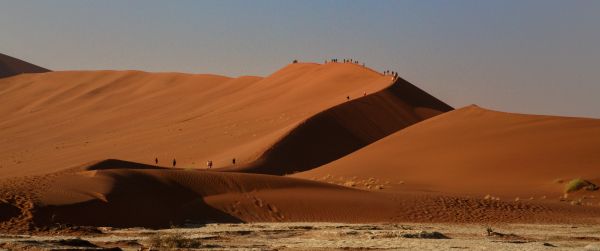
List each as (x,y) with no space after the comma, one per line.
(330,236)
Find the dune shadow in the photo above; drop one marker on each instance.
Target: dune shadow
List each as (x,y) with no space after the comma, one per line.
(345,128)
(136,200)
(10,66)
(119,164)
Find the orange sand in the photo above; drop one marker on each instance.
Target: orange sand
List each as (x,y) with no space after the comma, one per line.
(78,147)
(474,151)
(60,120)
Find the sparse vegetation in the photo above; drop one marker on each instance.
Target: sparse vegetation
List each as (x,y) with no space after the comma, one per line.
(489,231)
(426,235)
(175,240)
(578,184)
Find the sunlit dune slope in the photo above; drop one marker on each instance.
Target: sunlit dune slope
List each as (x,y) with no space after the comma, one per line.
(347,127)
(60,120)
(477,151)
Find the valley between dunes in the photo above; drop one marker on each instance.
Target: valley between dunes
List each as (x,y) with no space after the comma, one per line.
(333,142)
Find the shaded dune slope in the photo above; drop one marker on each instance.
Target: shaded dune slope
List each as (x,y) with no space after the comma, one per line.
(345,128)
(477,151)
(10,66)
(115,163)
(160,198)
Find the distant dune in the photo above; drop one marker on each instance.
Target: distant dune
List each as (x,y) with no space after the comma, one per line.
(10,66)
(477,151)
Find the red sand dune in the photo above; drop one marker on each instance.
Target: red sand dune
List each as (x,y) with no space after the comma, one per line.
(160,198)
(10,66)
(340,130)
(78,147)
(60,120)
(474,151)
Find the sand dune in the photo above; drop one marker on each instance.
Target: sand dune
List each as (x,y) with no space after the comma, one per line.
(342,129)
(477,151)
(120,197)
(10,66)
(60,120)
(78,147)
(158,198)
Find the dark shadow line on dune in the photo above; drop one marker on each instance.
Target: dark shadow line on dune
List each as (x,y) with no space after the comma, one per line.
(119,164)
(345,128)
(136,200)
(10,66)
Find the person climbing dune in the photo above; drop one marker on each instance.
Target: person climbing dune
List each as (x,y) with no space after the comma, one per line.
(174,162)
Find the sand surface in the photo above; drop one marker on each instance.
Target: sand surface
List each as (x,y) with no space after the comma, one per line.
(60,120)
(474,151)
(77,148)
(345,128)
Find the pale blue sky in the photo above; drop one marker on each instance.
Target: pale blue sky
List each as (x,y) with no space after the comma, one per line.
(520,56)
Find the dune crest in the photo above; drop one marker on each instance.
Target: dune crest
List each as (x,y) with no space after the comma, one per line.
(128,149)
(478,151)
(70,118)
(347,127)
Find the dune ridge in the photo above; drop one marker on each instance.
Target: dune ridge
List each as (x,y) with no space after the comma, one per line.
(477,151)
(79,148)
(10,66)
(345,128)
(59,120)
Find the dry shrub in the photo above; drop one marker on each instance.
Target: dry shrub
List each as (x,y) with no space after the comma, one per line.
(578,184)
(175,240)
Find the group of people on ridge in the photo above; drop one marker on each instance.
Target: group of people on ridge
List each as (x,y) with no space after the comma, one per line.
(347,60)
(390,73)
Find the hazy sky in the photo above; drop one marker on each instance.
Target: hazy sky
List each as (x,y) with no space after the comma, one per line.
(520,56)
